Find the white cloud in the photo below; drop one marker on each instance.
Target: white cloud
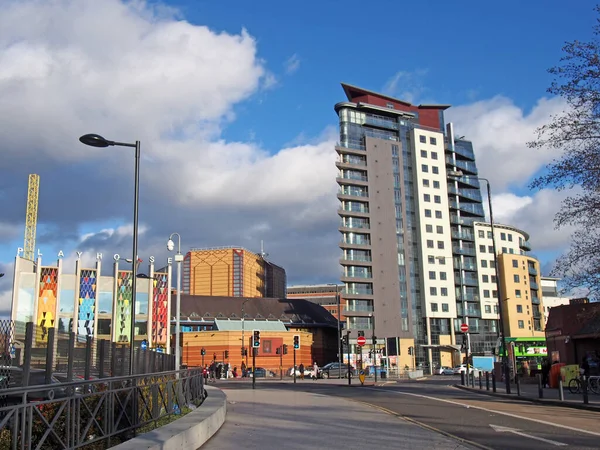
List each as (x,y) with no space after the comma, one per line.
(500,130)
(292,64)
(406,85)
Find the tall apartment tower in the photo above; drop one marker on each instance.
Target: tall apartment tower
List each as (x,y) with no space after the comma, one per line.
(407,238)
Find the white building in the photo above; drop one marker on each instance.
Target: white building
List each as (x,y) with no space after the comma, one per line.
(552,295)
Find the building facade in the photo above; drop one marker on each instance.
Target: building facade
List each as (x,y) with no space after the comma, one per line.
(231,271)
(89,303)
(406,228)
(551,294)
(325,295)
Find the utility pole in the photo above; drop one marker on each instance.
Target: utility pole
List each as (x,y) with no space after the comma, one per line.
(349,365)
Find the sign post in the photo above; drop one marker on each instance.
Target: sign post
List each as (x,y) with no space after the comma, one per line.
(464,328)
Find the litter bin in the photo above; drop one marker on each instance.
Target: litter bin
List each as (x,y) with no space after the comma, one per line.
(383,374)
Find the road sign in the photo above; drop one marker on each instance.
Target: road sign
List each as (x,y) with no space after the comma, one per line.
(144,344)
(361,340)
(464,328)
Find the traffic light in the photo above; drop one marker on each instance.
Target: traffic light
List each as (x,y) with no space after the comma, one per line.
(244,352)
(345,339)
(278,351)
(226,354)
(203,352)
(285,349)
(370,353)
(256,339)
(296,342)
(411,350)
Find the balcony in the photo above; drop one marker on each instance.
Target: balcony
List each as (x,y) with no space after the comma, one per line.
(525,245)
(471,194)
(470,181)
(532,271)
(359,291)
(464,235)
(468,297)
(464,151)
(463,251)
(380,123)
(465,166)
(471,208)
(535,300)
(355,225)
(462,220)
(533,285)
(467,266)
(466,281)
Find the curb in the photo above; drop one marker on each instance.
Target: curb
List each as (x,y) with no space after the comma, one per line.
(191,431)
(538,401)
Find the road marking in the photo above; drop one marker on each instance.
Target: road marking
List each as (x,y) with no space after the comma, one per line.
(516,416)
(421,424)
(501,429)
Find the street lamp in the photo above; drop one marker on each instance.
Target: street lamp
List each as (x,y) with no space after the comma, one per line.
(178,260)
(95,140)
(339,335)
(243,342)
(456,175)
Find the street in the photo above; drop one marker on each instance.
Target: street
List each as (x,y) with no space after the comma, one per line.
(470,419)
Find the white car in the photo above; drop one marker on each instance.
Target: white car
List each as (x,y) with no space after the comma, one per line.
(444,371)
(307,372)
(463,369)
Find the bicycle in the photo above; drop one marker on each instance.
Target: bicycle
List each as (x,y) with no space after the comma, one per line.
(594,384)
(574,386)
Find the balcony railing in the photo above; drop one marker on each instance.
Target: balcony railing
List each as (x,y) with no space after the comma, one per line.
(464,250)
(532,271)
(462,220)
(466,193)
(381,123)
(533,285)
(464,151)
(359,291)
(467,281)
(463,235)
(353,225)
(353,192)
(525,245)
(467,166)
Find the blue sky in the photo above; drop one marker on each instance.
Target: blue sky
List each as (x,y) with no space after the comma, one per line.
(238,129)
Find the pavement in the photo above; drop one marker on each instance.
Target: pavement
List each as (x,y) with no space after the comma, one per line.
(311,412)
(276,418)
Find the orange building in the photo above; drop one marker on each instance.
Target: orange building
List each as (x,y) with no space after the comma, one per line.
(231,272)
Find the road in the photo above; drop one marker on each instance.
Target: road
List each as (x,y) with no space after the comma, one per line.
(479,420)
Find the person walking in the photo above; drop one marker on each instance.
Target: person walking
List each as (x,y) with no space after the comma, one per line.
(315,371)
(301,370)
(546,373)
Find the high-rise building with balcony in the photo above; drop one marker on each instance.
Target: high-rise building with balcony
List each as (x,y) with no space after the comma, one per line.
(407,235)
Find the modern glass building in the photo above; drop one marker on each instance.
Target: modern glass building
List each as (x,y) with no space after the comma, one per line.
(407,238)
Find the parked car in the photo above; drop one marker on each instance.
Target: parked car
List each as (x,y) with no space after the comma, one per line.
(307,372)
(463,369)
(261,372)
(13,378)
(334,370)
(444,371)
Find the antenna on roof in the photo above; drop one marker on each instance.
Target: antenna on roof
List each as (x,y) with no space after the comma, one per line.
(263,255)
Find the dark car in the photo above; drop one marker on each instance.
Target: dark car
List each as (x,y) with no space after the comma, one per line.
(334,370)
(13,378)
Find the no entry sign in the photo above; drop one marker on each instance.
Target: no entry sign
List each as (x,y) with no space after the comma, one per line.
(464,328)
(361,340)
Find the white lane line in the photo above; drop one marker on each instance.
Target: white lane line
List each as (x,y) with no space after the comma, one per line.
(516,416)
(501,429)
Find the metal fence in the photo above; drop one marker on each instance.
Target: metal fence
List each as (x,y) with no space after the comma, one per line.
(59,391)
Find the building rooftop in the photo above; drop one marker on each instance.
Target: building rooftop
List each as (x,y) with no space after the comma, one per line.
(352,92)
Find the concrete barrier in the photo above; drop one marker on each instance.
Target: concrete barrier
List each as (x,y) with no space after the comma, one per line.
(189,432)
(414,374)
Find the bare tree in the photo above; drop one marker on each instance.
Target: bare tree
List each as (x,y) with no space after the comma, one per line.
(576,133)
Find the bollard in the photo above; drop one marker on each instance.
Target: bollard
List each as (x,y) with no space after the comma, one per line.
(561,394)
(540,387)
(462,378)
(584,389)
(518,385)
(480,381)
(494,381)
(487,381)
(472,379)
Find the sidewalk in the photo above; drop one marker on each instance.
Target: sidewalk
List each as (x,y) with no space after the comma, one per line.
(269,418)
(529,392)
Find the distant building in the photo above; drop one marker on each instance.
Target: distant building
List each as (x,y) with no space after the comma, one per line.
(552,297)
(231,272)
(321,294)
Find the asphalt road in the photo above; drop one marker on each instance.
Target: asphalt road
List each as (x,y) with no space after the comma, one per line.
(470,418)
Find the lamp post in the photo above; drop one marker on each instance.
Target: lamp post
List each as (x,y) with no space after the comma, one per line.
(243,342)
(456,175)
(339,334)
(178,260)
(95,140)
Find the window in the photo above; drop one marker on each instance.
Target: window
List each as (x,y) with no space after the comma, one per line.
(444,292)
(431,259)
(486,293)
(521,324)
(424,168)
(425,182)
(495,294)
(481,233)
(429,228)
(516,278)
(436,184)
(496,309)
(519,308)
(438,214)
(423,139)
(510,238)
(433,155)
(432,291)
(437,199)
(493,278)
(442,261)
(445,307)
(503,236)
(443,276)
(516,263)
(441,245)
(423,153)
(439,229)
(432,141)
(485,278)
(504,250)
(482,248)
(434,307)
(489,233)
(427,197)
(427,213)
(483,263)
(492,264)
(490,249)
(430,244)
(518,293)
(435,169)
(431,275)
(488,309)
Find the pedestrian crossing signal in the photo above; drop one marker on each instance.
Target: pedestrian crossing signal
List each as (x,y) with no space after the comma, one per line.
(296,342)
(256,339)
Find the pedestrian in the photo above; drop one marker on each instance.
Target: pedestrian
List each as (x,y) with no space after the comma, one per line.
(584,369)
(315,371)
(205,374)
(546,373)
(244,370)
(235,373)
(301,370)
(213,371)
